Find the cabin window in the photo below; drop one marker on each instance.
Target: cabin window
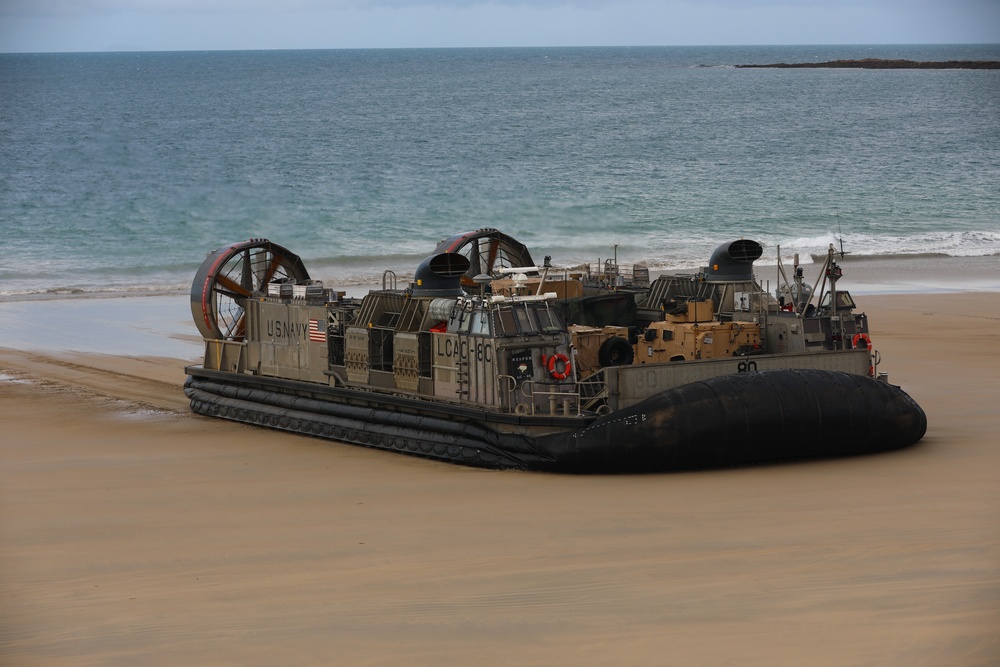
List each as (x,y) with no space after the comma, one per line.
(525,322)
(549,320)
(505,323)
(526,319)
(479,323)
(459,320)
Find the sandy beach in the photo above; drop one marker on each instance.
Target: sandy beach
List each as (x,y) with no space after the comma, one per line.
(133,532)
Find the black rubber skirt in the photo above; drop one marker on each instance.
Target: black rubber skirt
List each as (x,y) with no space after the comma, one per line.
(732,420)
(741,419)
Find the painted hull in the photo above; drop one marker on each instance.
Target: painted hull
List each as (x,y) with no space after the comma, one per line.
(731,420)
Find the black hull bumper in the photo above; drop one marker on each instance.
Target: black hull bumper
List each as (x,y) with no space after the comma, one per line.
(731,420)
(430,436)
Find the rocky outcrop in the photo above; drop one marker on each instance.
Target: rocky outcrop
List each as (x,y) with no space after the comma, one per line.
(878,63)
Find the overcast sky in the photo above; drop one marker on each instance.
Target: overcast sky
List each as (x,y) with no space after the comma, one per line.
(170,25)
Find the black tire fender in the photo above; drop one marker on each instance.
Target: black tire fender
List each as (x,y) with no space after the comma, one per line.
(616,351)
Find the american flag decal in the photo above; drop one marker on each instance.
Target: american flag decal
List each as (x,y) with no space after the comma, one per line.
(316,333)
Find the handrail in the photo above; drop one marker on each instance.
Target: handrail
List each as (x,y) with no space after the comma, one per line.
(589,399)
(568,399)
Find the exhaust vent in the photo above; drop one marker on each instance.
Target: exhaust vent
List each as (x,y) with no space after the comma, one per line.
(733,262)
(440,275)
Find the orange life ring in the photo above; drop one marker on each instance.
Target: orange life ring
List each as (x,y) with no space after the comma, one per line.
(567,366)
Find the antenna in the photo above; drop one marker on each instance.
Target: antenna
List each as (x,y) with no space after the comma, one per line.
(840,232)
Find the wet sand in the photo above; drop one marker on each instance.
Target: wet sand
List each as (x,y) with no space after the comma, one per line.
(133,532)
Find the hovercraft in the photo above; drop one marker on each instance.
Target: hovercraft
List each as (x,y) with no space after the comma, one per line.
(488,360)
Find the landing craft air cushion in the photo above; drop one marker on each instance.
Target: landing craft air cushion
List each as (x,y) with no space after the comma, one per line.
(488,360)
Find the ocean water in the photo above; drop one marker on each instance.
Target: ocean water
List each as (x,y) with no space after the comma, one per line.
(119,172)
